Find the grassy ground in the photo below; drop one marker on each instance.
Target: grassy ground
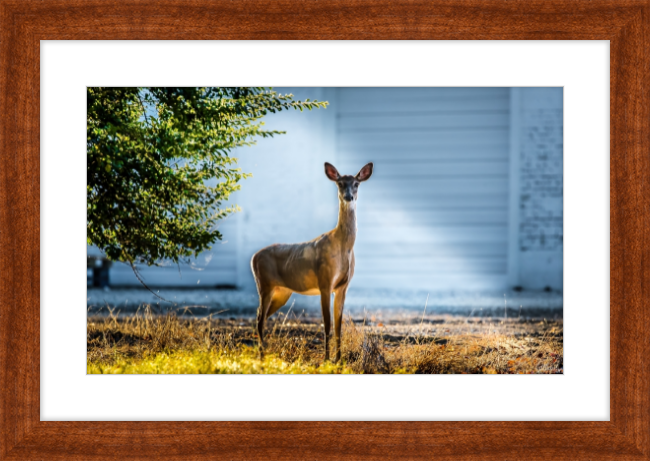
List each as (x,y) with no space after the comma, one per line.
(406,343)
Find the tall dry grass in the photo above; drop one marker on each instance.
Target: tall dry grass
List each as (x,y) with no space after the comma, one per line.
(150,343)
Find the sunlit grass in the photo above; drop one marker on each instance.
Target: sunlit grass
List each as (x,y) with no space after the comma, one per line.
(244,361)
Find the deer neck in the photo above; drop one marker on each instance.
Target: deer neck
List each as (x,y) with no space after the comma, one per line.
(346,228)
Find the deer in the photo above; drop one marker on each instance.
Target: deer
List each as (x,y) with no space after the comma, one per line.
(321,266)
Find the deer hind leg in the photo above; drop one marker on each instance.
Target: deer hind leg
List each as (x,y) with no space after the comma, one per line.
(265,289)
(270,301)
(279,299)
(339,302)
(266,296)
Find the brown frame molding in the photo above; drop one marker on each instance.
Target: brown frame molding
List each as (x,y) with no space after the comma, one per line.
(24,23)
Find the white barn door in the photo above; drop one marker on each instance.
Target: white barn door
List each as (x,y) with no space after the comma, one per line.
(435,213)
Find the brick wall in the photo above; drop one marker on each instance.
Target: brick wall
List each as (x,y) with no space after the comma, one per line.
(541,181)
(541,187)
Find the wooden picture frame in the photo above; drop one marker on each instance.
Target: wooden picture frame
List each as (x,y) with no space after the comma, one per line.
(625,23)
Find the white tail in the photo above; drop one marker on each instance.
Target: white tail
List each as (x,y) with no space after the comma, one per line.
(321,266)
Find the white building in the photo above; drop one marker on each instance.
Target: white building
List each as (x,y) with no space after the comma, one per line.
(466,192)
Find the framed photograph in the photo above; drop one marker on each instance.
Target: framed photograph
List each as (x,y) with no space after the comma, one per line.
(455,248)
(464,185)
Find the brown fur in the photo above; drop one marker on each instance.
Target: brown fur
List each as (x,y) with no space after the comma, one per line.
(322,266)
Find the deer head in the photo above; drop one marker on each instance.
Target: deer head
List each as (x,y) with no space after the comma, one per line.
(348,185)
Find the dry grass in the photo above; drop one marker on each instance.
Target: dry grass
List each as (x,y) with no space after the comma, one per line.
(148,343)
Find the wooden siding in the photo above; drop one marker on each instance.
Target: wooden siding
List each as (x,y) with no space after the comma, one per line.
(435,213)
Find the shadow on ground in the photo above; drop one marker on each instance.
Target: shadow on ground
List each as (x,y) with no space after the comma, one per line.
(241,303)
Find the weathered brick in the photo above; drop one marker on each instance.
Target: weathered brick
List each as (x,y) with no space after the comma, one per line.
(541,180)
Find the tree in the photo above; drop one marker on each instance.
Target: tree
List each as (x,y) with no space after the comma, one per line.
(160,165)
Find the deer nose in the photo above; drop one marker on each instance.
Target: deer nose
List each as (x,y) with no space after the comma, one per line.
(348,197)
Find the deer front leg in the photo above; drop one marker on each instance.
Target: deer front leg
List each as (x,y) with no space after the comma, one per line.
(339,302)
(325,299)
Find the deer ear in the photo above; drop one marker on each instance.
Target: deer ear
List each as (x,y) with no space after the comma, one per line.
(331,172)
(365,172)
